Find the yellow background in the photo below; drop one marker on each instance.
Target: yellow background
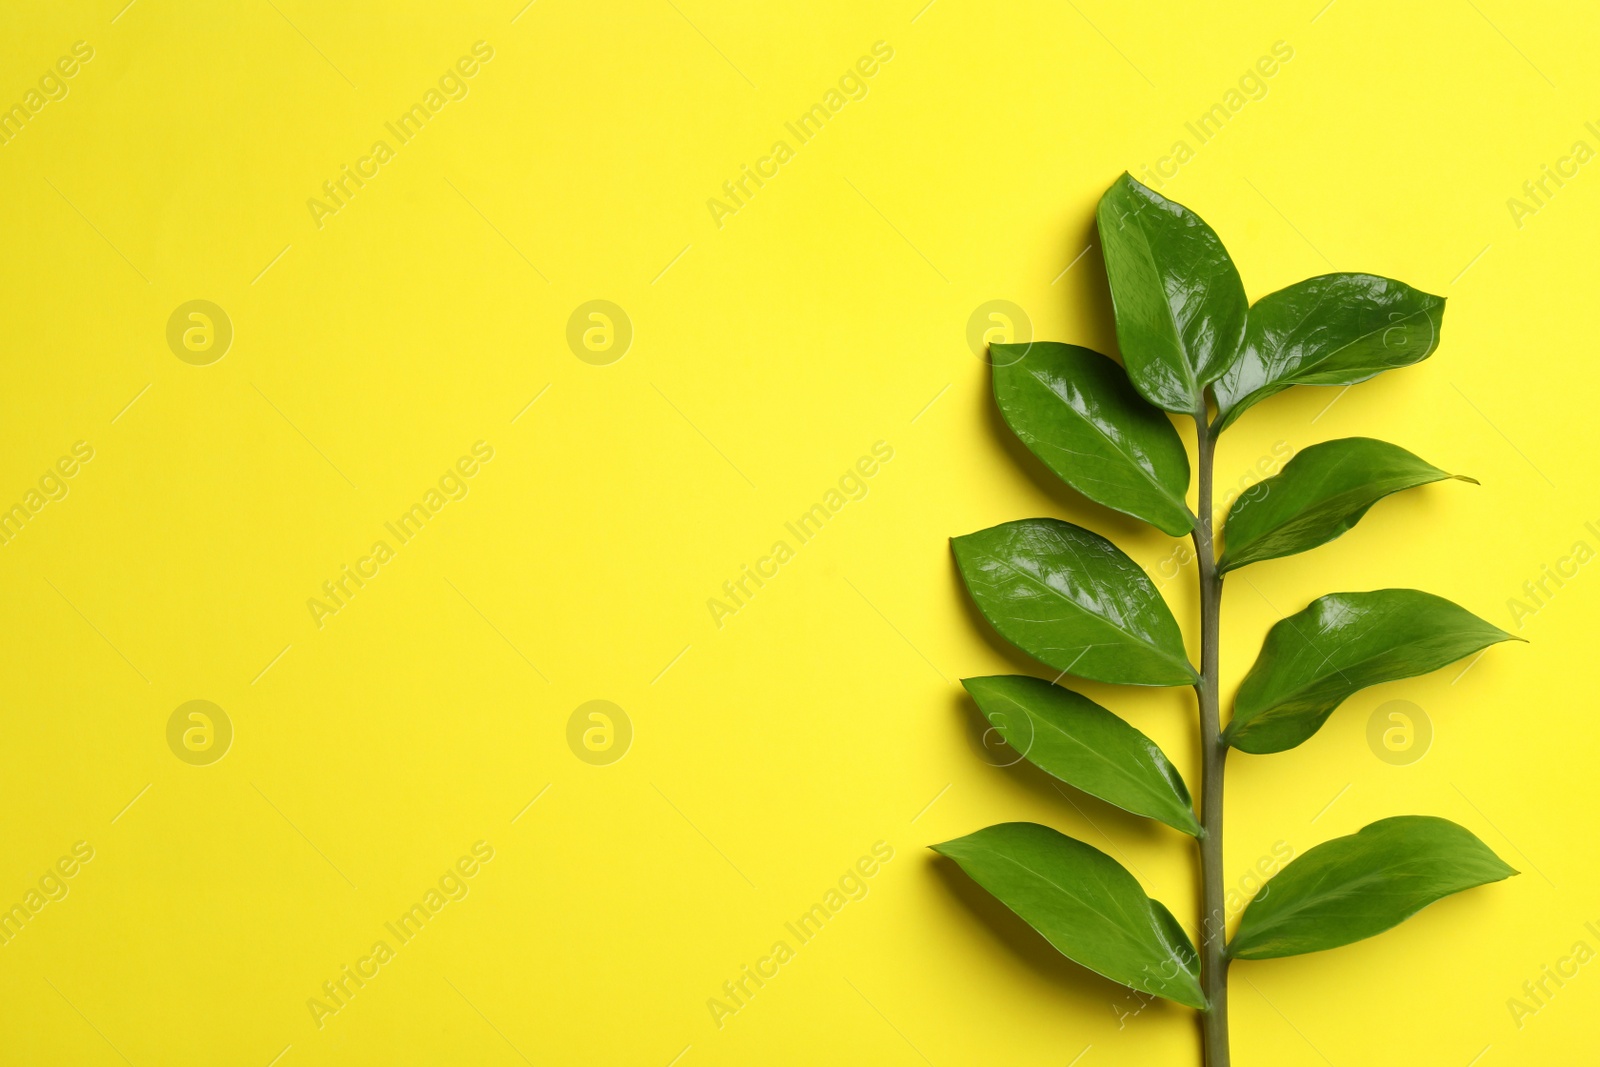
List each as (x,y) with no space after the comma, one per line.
(768,355)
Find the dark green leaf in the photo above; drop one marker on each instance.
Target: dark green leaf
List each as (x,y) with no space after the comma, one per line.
(1340,644)
(1078,741)
(1075,410)
(1180,305)
(1320,494)
(1354,887)
(1085,904)
(1073,600)
(1336,329)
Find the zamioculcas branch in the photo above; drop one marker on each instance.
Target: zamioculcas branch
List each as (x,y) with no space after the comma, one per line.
(1193,346)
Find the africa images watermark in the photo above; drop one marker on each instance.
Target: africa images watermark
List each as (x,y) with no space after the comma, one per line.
(1537,593)
(52,86)
(1537,992)
(1537,192)
(1252,85)
(338,591)
(852,85)
(1253,882)
(738,992)
(52,486)
(1172,564)
(852,486)
(52,886)
(452,85)
(339,991)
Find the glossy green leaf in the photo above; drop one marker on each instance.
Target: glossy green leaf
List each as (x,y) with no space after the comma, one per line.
(1357,886)
(1335,329)
(1072,599)
(1071,737)
(1076,411)
(1321,493)
(1085,904)
(1342,643)
(1180,306)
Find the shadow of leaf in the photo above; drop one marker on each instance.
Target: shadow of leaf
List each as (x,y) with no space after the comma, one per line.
(1039,956)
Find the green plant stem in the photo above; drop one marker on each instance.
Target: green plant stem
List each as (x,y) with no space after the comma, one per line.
(1213,916)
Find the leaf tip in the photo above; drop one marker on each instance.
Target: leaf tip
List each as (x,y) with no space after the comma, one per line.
(1188,523)
(1506,636)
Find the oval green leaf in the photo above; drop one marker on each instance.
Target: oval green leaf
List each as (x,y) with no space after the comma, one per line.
(1321,493)
(1335,329)
(1340,644)
(1357,886)
(1085,904)
(1179,303)
(1075,410)
(1073,600)
(1069,736)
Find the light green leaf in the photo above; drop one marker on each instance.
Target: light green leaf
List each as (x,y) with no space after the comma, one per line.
(1321,493)
(1335,329)
(1340,644)
(1085,904)
(1180,306)
(1357,886)
(1076,411)
(1071,737)
(1072,599)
